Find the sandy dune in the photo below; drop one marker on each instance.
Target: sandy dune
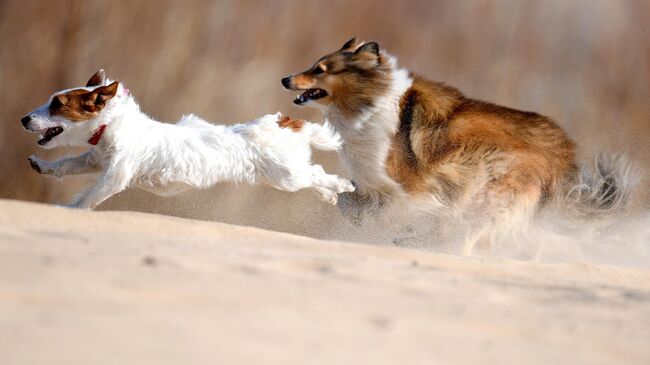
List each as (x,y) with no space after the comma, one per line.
(82,287)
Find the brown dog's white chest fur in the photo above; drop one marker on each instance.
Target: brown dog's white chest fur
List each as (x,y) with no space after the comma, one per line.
(367,138)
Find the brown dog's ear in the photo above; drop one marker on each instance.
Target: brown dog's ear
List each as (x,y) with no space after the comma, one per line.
(366,57)
(350,45)
(103,94)
(97,79)
(370,47)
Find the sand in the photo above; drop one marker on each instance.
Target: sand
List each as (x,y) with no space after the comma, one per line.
(79,287)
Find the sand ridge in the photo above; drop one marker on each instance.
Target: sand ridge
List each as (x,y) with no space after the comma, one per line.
(125,287)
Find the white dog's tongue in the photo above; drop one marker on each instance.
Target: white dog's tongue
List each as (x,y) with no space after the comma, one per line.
(49,134)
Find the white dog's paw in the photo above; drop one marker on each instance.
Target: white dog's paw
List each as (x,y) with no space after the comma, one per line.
(34,163)
(345,186)
(329,197)
(41,166)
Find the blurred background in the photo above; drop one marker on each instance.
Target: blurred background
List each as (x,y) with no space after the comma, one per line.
(585,63)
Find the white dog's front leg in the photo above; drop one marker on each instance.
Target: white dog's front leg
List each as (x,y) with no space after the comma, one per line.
(107,185)
(77,165)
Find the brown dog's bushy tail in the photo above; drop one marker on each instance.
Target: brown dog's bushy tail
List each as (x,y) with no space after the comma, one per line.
(601,190)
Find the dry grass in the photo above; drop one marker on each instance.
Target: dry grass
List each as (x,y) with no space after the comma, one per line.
(586,63)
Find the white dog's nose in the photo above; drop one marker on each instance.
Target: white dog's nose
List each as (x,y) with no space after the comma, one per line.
(25,121)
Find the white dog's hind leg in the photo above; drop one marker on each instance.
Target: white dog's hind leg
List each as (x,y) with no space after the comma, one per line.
(82,164)
(313,177)
(329,185)
(332,182)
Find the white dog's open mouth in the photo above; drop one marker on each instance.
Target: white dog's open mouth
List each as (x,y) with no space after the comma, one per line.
(310,94)
(49,134)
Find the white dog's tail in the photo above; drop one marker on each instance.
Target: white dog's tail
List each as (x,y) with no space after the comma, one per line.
(322,137)
(601,191)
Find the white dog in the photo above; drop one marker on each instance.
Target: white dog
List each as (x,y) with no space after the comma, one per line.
(132,149)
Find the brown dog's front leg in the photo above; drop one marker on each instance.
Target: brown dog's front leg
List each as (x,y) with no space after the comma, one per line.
(353,205)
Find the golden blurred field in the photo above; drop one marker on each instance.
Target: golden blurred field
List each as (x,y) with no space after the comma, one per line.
(586,63)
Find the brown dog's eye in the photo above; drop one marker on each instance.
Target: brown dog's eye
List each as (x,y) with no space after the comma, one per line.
(319,70)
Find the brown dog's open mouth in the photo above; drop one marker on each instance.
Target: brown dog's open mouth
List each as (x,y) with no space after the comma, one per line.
(310,94)
(49,134)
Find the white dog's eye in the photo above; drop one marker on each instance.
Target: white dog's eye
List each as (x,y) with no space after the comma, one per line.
(56,102)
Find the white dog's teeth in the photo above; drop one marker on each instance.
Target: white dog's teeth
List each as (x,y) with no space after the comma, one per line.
(297,96)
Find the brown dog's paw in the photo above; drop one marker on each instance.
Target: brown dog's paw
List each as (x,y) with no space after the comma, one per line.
(351,206)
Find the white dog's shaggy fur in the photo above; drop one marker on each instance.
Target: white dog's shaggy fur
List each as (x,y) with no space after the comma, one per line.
(132,149)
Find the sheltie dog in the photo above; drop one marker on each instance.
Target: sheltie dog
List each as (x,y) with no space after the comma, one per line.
(425,145)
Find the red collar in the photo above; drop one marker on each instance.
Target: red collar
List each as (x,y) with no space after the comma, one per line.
(97,134)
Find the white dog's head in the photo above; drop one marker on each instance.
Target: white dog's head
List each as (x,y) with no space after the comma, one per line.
(71,116)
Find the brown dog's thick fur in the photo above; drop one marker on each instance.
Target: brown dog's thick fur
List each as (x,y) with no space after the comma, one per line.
(405,136)
(442,137)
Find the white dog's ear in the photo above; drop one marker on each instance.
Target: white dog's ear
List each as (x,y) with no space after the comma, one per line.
(103,94)
(99,78)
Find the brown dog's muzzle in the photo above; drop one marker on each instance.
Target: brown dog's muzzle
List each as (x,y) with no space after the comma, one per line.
(305,84)
(286,82)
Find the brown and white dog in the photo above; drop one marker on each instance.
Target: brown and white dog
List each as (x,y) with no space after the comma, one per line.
(127,148)
(423,143)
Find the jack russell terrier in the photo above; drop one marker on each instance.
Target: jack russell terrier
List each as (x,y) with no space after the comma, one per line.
(129,148)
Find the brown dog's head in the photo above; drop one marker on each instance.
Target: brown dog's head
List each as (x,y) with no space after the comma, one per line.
(350,78)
